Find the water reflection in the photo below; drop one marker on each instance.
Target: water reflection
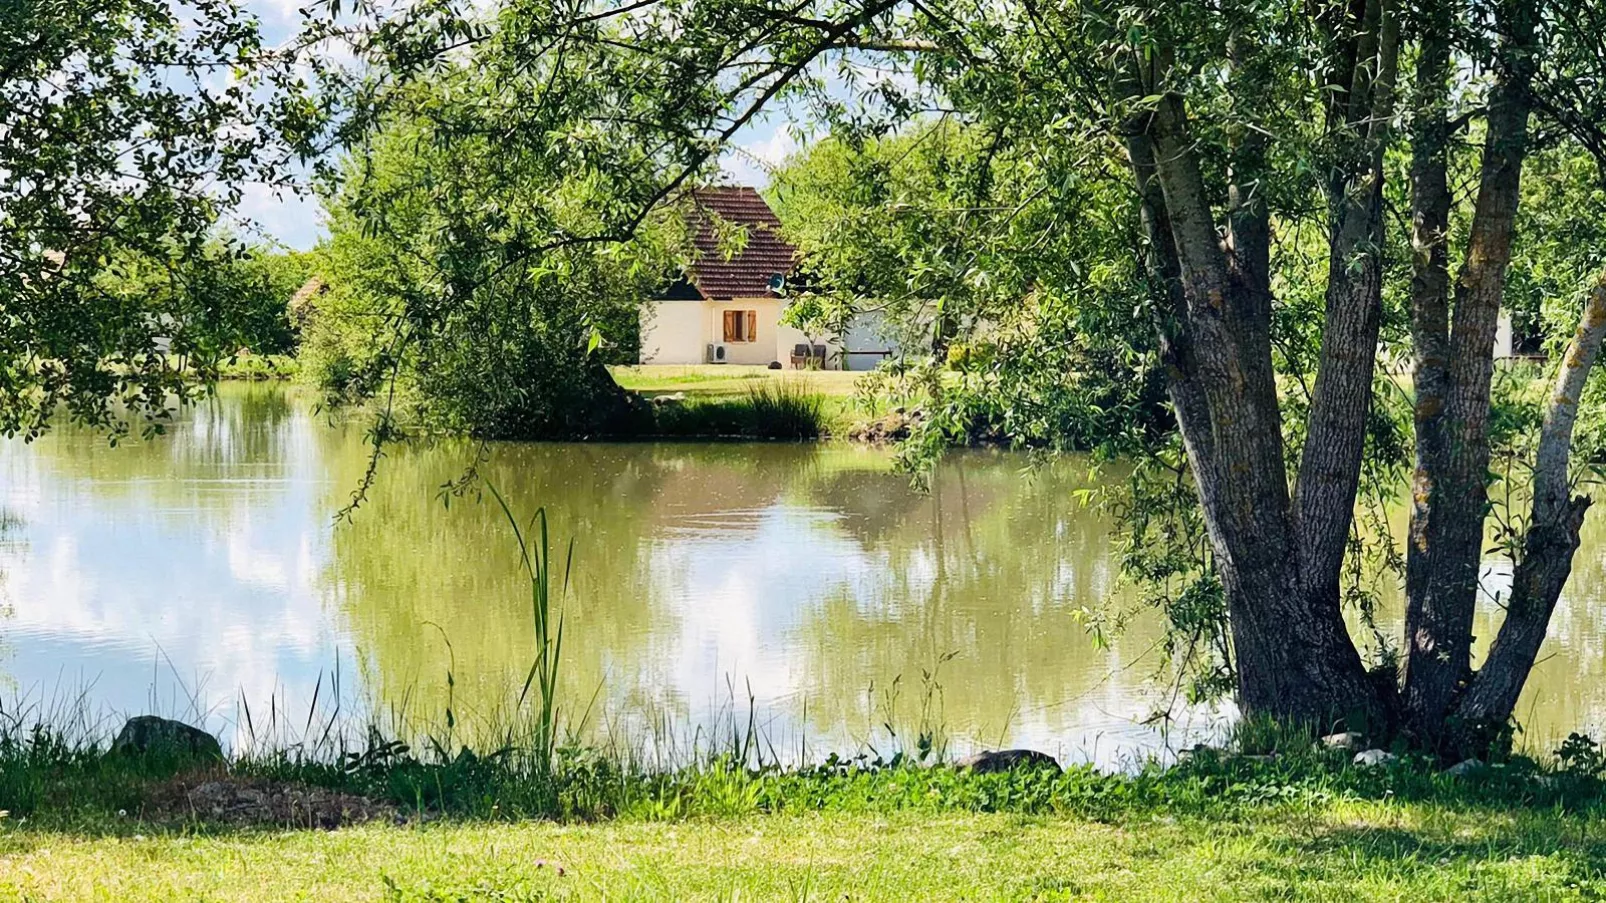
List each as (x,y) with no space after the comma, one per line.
(205,565)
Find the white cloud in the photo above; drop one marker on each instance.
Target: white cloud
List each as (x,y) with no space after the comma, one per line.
(751,159)
(295,220)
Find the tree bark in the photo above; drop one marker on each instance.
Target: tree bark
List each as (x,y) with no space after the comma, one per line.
(1430,333)
(1548,547)
(1170,312)
(1278,554)
(1330,462)
(1294,660)
(1450,491)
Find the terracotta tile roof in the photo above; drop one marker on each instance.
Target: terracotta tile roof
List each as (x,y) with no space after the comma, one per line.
(746,274)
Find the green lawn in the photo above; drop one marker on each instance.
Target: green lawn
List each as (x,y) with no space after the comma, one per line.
(727,379)
(1339,851)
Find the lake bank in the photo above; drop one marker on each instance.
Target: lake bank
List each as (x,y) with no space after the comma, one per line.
(709,402)
(1230,828)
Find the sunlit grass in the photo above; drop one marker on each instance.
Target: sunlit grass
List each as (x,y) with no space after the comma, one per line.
(728,379)
(1349,851)
(730,823)
(767,409)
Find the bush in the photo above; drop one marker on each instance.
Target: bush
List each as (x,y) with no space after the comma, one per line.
(785,410)
(774,409)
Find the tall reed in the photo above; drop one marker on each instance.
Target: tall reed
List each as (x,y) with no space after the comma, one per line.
(782,409)
(535,557)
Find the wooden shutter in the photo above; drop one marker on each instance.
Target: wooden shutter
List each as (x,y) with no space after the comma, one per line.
(730,326)
(752,327)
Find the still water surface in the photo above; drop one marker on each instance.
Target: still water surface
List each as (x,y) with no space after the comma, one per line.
(205,567)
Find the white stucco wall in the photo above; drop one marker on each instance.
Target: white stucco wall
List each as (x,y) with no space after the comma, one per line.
(867,342)
(674,332)
(759,351)
(789,337)
(679,332)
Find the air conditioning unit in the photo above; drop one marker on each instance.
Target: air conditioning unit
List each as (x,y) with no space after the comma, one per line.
(717,353)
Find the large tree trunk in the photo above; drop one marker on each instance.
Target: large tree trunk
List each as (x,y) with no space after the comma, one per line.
(1293,657)
(1279,554)
(1449,492)
(1278,557)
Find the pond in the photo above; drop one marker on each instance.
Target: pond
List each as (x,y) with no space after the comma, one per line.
(805,587)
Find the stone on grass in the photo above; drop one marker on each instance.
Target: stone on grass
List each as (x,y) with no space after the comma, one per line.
(1464,768)
(1348,740)
(1372,758)
(148,735)
(1007,760)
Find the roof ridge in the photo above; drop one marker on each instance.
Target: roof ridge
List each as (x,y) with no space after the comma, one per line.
(751,271)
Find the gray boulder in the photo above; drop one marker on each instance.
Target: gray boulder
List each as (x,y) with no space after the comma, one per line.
(1372,758)
(1462,769)
(1007,760)
(148,735)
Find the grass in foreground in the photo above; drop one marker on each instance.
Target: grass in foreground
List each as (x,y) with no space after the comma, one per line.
(1305,826)
(1342,850)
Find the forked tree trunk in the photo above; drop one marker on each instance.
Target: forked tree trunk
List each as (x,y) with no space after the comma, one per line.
(1293,655)
(1330,462)
(1279,554)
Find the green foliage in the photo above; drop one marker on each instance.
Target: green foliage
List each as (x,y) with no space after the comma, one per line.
(500,213)
(121,150)
(926,231)
(251,288)
(426,297)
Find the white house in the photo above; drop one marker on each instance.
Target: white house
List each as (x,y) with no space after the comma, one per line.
(728,308)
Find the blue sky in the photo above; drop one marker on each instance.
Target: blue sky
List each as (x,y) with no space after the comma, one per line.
(297,222)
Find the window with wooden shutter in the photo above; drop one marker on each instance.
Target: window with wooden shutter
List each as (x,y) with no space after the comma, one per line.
(741,325)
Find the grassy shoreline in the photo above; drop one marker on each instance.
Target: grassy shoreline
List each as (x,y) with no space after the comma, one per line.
(737,402)
(259,368)
(1304,825)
